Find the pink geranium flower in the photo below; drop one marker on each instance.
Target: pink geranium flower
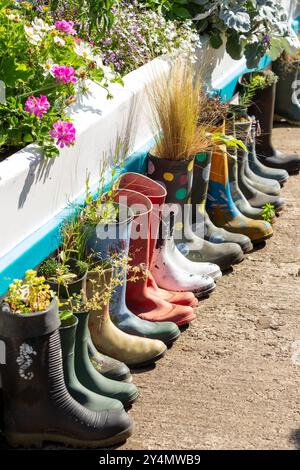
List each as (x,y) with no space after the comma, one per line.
(37,106)
(64,133)
(64,74)
(65,27)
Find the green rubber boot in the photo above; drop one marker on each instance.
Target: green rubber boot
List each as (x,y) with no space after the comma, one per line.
(87,398)
(90,377)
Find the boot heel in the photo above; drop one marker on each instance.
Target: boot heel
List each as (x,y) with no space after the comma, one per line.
(25,440)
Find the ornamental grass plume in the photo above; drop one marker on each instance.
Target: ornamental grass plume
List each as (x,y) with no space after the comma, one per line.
(174,99)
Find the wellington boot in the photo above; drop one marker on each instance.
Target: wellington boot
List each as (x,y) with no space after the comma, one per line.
(104,242)
(287,104)
(216,234)
(37,405)
(156,194)
(108,339)
(87,374)
(202,225)
(139,299)
(221,208)
(257,166)
(243,130)
(107,366)
(263,109)
(255,198)
(238,197)
(178,179)
(84,396)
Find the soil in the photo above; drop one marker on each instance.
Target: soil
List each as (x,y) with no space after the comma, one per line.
(232,380)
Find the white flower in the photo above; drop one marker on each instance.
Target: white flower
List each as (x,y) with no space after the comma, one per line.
(84,50)
(32,36)
(59,41)
(82,88)
(109,73)
(99,62)
(48,67)
(40,26)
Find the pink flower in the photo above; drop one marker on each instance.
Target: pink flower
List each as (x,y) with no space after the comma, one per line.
(64,74)
(65,27)
(37,106)
(64,132)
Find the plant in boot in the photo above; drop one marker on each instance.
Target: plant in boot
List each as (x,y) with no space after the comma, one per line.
(212,111)
(253,83)
(33,294)
(174,101)
(269,212)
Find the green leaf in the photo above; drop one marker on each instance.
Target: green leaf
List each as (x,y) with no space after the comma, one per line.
(216,40)
(182,12)
(234,47)
(28,138)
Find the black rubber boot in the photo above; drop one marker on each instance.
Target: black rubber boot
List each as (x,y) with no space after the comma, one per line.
(107,366)
(37,405)
(263,109)
(287,103)
(256,165)
(87,398)
(90,377)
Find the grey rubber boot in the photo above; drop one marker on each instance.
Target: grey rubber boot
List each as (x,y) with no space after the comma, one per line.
(255,198)
(215,234)
(243,130)
(256,165)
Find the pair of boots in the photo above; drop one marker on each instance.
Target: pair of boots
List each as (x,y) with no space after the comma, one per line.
(37,404)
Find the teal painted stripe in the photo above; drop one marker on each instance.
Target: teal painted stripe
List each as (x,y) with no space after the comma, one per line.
(40,244)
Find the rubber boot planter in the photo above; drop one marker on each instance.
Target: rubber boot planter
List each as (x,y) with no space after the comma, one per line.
(87,374)
(37,405)
(199,195)
(256,165)
(139,298)
(263,109)
(177,176)
(107,366)
(287,104)
(76,287)
(255,198)
(114,239)
(148,188)
(264,185)
(171,271)
(91,400)
(221,208)
(108,339)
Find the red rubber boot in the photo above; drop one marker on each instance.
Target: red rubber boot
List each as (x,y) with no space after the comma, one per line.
(157,194)
(139,298)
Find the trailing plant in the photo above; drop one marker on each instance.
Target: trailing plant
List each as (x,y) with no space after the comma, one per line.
(63,270)
(138,35)
(30,295)
(44,68)
(255,82)
(174,99)
(268,212)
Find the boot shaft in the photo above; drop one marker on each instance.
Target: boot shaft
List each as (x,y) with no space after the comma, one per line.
(201,172)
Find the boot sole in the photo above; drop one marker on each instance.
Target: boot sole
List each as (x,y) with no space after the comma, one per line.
(247,248)
(147,363)
(278,118)
(37,440)
(261,240)
(204,293)
(237,260)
